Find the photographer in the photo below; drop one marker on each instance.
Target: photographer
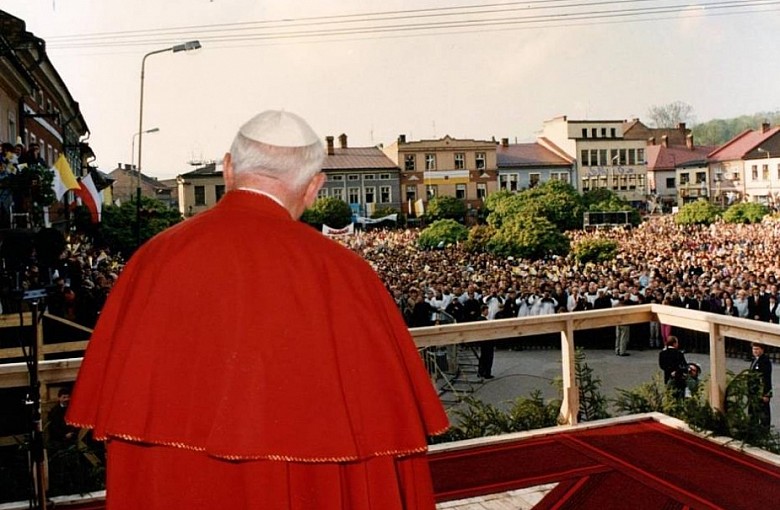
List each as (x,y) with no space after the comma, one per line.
(672,361)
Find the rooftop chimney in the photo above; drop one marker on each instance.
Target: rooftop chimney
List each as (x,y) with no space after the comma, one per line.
(401,138)
(765,127)
(329,142)
(343,140)
(651,140)
(665,141)
(681,127)
(505,142)
(689,141)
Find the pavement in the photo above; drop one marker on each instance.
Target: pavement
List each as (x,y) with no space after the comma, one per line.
(518,373)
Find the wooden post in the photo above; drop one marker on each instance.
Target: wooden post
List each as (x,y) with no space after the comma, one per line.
(571,394)
(717,368)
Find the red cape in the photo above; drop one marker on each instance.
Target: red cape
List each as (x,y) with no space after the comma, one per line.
(248,335)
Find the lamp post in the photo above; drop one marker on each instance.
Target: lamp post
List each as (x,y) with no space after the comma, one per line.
(132,147)
(188,46)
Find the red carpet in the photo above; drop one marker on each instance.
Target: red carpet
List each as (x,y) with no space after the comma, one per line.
(642,465)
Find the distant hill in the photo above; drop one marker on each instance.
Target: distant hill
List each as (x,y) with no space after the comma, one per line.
(719,131)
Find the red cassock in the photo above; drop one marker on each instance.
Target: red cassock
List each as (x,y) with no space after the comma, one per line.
(243,360)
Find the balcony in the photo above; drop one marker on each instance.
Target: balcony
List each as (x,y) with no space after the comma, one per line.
(603,457)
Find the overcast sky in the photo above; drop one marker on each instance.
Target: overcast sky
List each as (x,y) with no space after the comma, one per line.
(491,72)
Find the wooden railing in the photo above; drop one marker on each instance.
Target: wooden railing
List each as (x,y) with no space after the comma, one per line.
(718,327)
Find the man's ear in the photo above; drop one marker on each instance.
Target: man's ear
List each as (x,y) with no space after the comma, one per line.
(227,171)
(312,189)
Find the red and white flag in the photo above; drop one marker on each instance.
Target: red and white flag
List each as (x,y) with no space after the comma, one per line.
(90,197)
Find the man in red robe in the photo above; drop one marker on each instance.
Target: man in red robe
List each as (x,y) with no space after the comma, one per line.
(243,360)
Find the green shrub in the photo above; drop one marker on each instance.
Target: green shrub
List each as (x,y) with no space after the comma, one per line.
(527,236)
(700,212)
(442,233)
(446,207)
(750,212)
(330,211)
(595,250)
(479,237)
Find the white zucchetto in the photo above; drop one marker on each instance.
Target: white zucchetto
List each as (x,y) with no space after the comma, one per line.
(279,128)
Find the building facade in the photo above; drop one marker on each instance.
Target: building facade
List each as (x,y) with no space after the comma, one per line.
(363,177)
(677,174)
(460,168)
(604,158)
(125,185)
(200,189)
(524,166)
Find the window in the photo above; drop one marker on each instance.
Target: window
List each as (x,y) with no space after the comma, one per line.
(594,157)
(508,182)
(615,182)
(322,193)
(49,154)
(368,177)
(200,195)
(481,190)
(613,157)
(336,178)
(631,157)
(765,172)
(640,156)
(754,170)
(354,196)
(410,163)
(632,181)
(353,177)
(623,179)
(337,193)
(460,191)
(219,190)
(603,132)
(48,106)
(432,190)
(460,161)
(481,160)
(593,132)
(12,126)
(670,184)
(430,161)
(370,195)
(685,179)
(584,132)
(559,176)
(701,177)
(384,177)
(602,157)
(586,184)
(613,133)
(411,192)
(622,158)
(533,179)
(584,157)
(385,195)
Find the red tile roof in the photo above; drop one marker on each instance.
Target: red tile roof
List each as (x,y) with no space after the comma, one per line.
(357,158)
(528,154)
(667,158)
(740,145)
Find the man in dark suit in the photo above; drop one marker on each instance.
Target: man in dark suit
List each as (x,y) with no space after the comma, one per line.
(672,361)
(762,365)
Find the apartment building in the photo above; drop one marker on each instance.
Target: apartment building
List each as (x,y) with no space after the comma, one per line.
(523,166)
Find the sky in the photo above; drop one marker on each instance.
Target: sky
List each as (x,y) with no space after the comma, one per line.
(492,72)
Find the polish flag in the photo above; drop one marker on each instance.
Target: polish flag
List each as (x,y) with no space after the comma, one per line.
(90,197)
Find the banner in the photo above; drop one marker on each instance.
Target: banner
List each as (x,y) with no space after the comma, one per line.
(368,221)
(90,197)
(346,231)
(63,178)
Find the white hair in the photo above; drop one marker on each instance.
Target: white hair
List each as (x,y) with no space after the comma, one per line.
(294,166)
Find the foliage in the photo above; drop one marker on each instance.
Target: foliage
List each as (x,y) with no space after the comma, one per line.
(595,250)
(745,212)
(527,236)
(442,233)
(479,237)
(719,131)
(736,422)
(117,229)
(381,212)
(671,114)
(446,207)
(593,404)
(502,205)
(700,212)
(557,201)
(330,211)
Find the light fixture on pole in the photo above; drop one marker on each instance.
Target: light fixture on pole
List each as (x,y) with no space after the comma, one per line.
(768,155)
(188,46)
(132,147)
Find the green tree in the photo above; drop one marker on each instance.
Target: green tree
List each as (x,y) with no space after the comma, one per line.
(381,212)
(700,212)
(595,250)
(528,236)
(479,237)
(442,233)
(330,211)
(554,200)
(117,228)
(604,200)
(445,207)
(745,212)
(719,131)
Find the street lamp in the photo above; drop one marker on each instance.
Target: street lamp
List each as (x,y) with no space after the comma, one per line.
(132,147)
(188,46)
(768,155)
